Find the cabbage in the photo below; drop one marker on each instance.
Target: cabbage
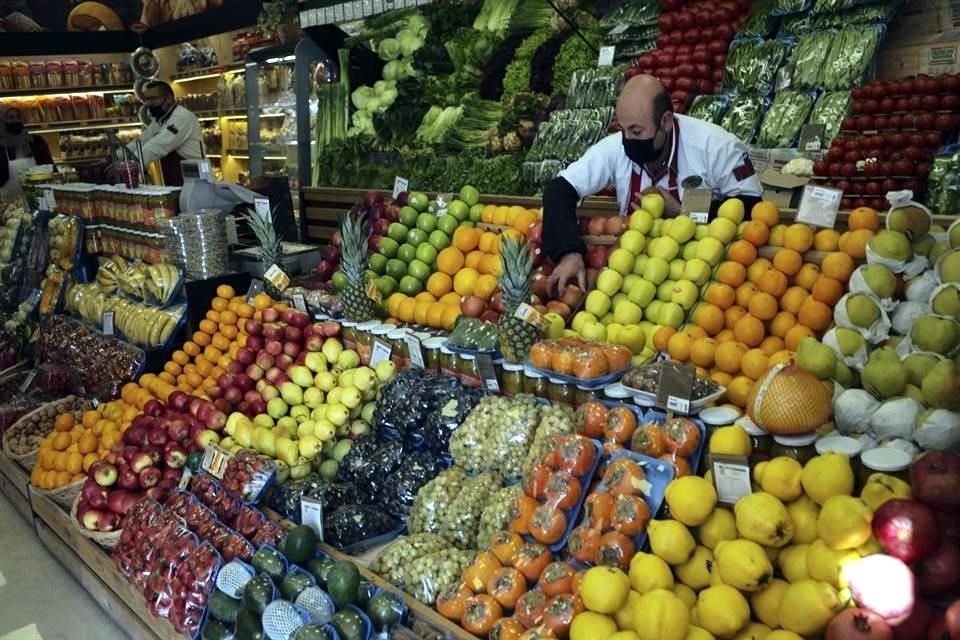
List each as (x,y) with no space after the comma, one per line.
(361,96)
(389,49)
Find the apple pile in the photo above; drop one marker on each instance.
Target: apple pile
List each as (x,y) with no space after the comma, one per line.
(380,211)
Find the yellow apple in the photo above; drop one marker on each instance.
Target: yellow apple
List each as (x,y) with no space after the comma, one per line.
(639,264)
(677,266)
(632,337)
(689,250)
(613,331)
(633,241)
(653,202)
(685,293)
(641,292)
(627,312)
(598,302)
(732,210)
(652,310)
(665,290)
(723,230)
(656,270)
(581,318)
(710,250)
(609,282)
(665,247)
(697,271)
(556,326)
(594,331)
(621,261)
(628,281)
(642,221)
(671,315)
(703,231)
(682,229)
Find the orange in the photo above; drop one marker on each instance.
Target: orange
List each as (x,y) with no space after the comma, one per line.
(406,310)
(487,214)
(435,315)
(762,306)
(194,380)
(693,331)
(209,327)
(201,338)
(219,304)
(61,441)
(864,218)
(728,355)
(757,269)
(525,220)
(826,240)
(490,264)
(192,367)
(720,377)
(230,332)
(731,273)
(739,390)
(709,317)
(838,265)
(212,354)
(64,422)
(180,357)
(854,243)
(450,260)
(168,378)
(89,419)
(792,340)
(420,309)
(814,314)
(204,366)
(393,302)
(220,341)
(702,352)
(781,323)
(465,281)
(753,364)
(662,337)
(486,285)
(772,344)
(828,290)
(226,291)
(781,357)
(756,233)
(425,296)
(733,314)
(488,240)
(439,284)
(63,479)
(228,317)
(89,460)
(807,277)
(172,368)
(262,301)
(749,331)
(743,252)
(724,336)
(244,310)
(466,238)
(500,215)
(792,298)
(452,298)
(799,237)
(474,259)
(788,261)
(679,347)
(450,315)
(745,292)
(766,212)
(721,295)
(74,463)
(773,282)
(777,235)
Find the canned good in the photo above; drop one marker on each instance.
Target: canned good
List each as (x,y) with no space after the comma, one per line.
(800,448)
(512,379)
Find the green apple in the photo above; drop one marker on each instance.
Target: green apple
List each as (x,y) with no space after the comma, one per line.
(656,270)
(459,210)
(621,261)
(633,241)
(607,319)
(697,270)
(397,231)
(685,294)
(722,229)
(419,269)
(410,286)
(641,220)
(476,212)
(426,222)
(671,315)
(581,318)
(682,229)
(388,247)
(655,232)
(339,278)
(378,263)
(613,332)
(416,237)
(628,281)
(665,290)
(633,337)
(639,264)
(598,302)
(703,231)
(710,250)
(469,195)
(396,268)
(653,202)
(615,300)
(418,200)
(593,331)
(609,282)
(408,216)
(666,248)
(642,292)
(627,312)
(427,253)
(448,224)
(386,285)
(407,252)
(556,326)
(439,240)
(652,310)
(676,268)
(689,250)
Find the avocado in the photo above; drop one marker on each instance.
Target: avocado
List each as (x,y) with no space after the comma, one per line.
(385,610)
(293,584)
(257,594)
(249,626)
(319,567)
(311,632)
(343,583)
(349,625)
(223,607)
(215,630)
(270,562)
(300,544)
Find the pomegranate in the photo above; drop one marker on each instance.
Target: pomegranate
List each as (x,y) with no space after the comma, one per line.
(939,573)
(858,624)
(906,529)
(935,477)
(915,626)
(952,619)
(882,584)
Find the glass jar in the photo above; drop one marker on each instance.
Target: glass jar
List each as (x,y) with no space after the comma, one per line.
(449,361)
(534,383)
(365,340)
(617,393)
(800,448)
(560,392)
(469,373)
(431,353)
(585,394)
(379,332)
(889,460)
(399,352)
(512,379)
(761,441)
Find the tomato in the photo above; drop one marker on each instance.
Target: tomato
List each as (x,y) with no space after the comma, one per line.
(480,613)
(548,524)
(506,586)
(452,601)
(591,419)
(621,423)
(557,578)
(531,559)
(563,490)
(560,612)
(649,440)
(683,436)
(615,549)
(530,606)
(537,483)
(582,544)
(577,582)
(504,545)
(520,512)
(680,465)
(575,454)
(630,515)
(506,629)
(624,476)
(478,574)
(598,510)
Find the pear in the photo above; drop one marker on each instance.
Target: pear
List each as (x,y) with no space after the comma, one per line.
(884,375)
(817,358)
(918,366)
(849,341)
(283,472)
(938,250)
(949,267)
(244,434)
(941,386)
(892,245)
(914,392)
(844,375)
(285,431)
(265,441)
(301,469)
(953,237)
(946,302)
(880,280)
(310,447)
(909,220)
(932,333)
(923,245)
(287,451)
(862,310)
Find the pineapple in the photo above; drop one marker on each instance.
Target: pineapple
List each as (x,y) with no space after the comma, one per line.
(516,336)
(269,249)
(357,303)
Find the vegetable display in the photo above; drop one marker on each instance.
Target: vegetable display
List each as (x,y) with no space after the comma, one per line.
(752,66)
(709,108)
(743,116)
(829,111)
(787,114)
(851,55)
(807,60)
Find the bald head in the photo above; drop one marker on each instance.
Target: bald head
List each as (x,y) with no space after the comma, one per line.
(643,106)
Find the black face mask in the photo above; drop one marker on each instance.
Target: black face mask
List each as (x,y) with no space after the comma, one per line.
(642,151)
(157,111)
(14,127)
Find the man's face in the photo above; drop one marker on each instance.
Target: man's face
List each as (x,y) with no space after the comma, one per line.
(635,118)
(13,116)
(154,97)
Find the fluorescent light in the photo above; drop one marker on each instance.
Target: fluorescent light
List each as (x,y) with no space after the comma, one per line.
(290,58)
(88,126)
(206,76)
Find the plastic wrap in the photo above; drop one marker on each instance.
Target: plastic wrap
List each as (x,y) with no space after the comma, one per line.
(787,114)
(435,572)
(744,115)
(350,524)
(829,110)
(194,581)
(396,557)
(384,461)
(159,572)
(352,466)
(554,421)
(496,435)
(137,522)
(248,474)
(709,108)
(752,65)
(438,428)
(831,6)
(851,56)
(496,514)
(270,533)
(760,22)
(808,60)
(210,493)
(285,500)
(460,521)
(433,498)
(399,490)
(787,7)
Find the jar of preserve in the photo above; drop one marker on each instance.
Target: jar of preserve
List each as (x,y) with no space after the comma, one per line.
(449,362)
(800,448)
(560,392)
(512,379)
(431,353)
(469,373)
(617,393)
(379,332)
(761,442)
(399,352)
(534,383)
(365,340)
(889,460)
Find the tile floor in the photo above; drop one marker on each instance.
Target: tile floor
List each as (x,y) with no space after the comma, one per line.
(39,600)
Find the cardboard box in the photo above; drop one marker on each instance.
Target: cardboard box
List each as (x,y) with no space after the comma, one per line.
(783,190)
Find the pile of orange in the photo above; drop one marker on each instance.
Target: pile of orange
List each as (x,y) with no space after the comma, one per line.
(425,308)
(516,217)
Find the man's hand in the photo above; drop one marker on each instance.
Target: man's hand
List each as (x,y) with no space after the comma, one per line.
(569,269)
(671,206)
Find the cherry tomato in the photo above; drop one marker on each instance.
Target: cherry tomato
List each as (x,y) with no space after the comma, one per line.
(624,476)
(649,440)
(560,612)
(504,545)
(557,578)
(680,465)
(683,436)
(530,606)
(575,454)
(548,524)
(563,490)
(615,549)
(537,483)
(506,629)
(598,510)
(538,633)
(520,512)
(531,559)
(630,515)
(506,586)
(452,601)
(591,419)
(478,574)
(582,544)
(621,423)
(480,613)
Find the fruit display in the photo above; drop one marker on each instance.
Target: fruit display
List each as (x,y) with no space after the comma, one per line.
(586,361)
(141,324)
(150,283)
(496,436)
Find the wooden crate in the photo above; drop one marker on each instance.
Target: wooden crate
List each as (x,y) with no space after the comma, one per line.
(15,485)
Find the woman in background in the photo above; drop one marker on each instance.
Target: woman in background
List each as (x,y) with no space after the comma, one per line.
(19,151)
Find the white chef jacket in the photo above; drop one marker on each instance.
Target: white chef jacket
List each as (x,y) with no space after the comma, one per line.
(704,155)
(179,131)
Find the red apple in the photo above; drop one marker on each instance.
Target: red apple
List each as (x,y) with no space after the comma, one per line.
(906,529)
(939,573)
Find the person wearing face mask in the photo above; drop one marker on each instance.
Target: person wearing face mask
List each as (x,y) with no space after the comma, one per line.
(19,151)
(172,135)
(655,149)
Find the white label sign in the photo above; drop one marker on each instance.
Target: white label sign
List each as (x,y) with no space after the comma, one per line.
(819,206)
(400,185)
(299,303)
(215,460)
(700,217)
(381,352)
(262,207)
(311,514)
(731,475)
(680,405)
(416,351)
(49,201)
(606,56)
(107,323)
(203,168)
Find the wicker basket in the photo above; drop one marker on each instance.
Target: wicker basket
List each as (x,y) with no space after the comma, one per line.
(28,459)
(106,539)
(65,495)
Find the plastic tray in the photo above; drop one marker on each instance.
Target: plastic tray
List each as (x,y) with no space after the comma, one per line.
(286,563)
(404,611)
(367,624)
(659,474)
(363,545)
(655,415)
(591,383)
(696,406)
(494,353)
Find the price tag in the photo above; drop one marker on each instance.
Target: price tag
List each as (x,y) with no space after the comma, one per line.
(819,206)
(531,316)
(675,387)
(696,204)
(700,217)
(49,201)
(311,515)
(106,322)
(203,168)
(605,58)
(299,302)
(277,277)
(256,286)
(416,351)
(232,237)
(731,476)
(811,137)
(262,207)
(185,478)
(215,460)
(487,373)
(381,352)
(28,381)
(399,186)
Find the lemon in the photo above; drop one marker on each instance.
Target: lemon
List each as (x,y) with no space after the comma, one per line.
(766,602)
(742,564)
(649,572)
(782,634)
(686,594)
(880,487)
(781,478)
(660,615)
(604,589)
(827,475)
(824,564)
(808,606)
(804,512)
(793,562)
(844,522)
(722,610)
(588,625)
(695,572)
(731,441)
(624,615)
(671,540)
(761,517)
(753,631)
(719,526)
(698,633)
(691,499)
(624,635)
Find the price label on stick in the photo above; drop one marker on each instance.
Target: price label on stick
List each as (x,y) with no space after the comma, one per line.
(675,387)
(28,381)
(731,475)
(700,217)
(488,374)
(214,460)
(381,352)
(819,206)
(605,58)
(399,186)
(299,302)
(256,286)
(311,515)
(107,323)
(50,202)
(531,316)
(262,208)
(416,351)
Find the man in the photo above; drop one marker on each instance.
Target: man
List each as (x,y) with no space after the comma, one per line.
(655,149)
(172,136)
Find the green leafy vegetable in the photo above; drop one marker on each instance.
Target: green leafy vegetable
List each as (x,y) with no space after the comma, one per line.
(517,78)
(783,121)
